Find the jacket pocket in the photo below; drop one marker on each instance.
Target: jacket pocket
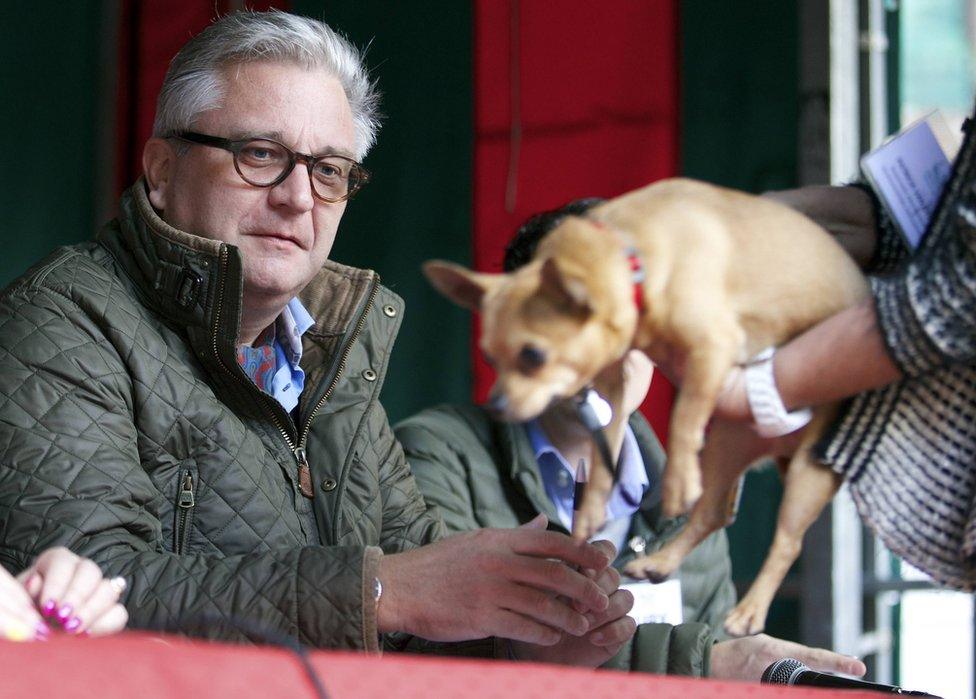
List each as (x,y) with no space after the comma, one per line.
(185,502)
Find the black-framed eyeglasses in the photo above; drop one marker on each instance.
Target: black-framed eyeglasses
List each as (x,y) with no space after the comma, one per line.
(264,162)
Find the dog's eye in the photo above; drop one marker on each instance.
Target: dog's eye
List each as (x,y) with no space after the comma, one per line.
(530,358)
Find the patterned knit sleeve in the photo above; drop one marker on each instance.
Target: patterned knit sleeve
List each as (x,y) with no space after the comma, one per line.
(927,310)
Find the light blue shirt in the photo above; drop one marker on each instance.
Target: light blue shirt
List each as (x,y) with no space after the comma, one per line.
(559,478)
(289,379)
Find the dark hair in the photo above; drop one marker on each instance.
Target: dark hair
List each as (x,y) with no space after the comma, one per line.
(523,244)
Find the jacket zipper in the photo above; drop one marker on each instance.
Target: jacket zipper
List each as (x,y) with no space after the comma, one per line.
(304,472)
(185,502)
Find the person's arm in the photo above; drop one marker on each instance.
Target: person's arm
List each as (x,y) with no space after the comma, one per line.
(839,357)
(848,213)
(70,467)
(920,318)
(440,446)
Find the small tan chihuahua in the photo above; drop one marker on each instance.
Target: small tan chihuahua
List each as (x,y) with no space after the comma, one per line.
(698,277)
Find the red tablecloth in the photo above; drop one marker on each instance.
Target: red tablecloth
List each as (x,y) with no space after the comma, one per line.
(148,665)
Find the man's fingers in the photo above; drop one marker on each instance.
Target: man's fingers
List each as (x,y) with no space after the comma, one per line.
(540,521)
(519,627)
(607,579)
(546,609)
(607,547)
(613,634)
(621,602)
(558,578)
(827,661)
(545,544)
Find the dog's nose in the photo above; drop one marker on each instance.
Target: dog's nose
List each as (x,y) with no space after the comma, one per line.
(497,403)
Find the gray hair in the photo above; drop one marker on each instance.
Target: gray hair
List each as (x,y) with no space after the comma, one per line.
(194,82)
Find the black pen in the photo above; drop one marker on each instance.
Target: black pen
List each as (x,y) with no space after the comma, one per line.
(578,488)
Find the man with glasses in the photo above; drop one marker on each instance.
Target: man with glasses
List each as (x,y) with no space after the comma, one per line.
(191,399)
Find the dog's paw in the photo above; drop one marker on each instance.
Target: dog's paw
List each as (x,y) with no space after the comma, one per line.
(747,619)
(655,568)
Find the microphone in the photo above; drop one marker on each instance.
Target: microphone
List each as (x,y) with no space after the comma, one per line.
(792,672)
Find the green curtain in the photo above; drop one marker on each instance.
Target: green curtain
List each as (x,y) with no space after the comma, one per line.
(50,67)
(418,204)
(740,105)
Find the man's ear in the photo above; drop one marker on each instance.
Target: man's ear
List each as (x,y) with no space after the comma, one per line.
(460,285)
(569,289)
(158,160)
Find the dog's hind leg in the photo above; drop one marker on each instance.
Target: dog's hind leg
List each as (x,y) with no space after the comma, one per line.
(808,487)
(729,449)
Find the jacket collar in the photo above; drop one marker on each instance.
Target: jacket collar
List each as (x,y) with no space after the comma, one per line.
(516,450)
(197,282)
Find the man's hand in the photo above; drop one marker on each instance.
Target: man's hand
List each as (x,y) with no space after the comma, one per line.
(747,658)
(609,629)
(515,583)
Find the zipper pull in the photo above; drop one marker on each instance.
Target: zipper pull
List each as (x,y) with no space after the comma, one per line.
(304,474)
(186,493)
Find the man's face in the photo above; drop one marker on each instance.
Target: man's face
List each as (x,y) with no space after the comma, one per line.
(283,232)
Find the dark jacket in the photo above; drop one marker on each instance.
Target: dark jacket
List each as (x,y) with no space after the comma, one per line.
(481,473)
(129,434)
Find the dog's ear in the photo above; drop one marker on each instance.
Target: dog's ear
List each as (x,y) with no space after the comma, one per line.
(565,287)
(460,285)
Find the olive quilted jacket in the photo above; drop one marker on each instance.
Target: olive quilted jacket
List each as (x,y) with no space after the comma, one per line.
(129,434)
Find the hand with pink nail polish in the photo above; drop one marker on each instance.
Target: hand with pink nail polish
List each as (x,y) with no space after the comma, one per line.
(19,618)
(72,595)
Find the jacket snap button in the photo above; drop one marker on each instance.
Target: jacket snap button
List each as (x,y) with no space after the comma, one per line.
(390,311)
(329,484)
(966,215)
(637,544)
(369,375)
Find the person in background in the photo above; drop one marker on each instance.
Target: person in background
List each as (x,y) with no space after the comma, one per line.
(480,472)
(905,439)
(192,398)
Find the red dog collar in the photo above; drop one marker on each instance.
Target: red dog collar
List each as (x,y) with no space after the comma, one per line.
(637,273)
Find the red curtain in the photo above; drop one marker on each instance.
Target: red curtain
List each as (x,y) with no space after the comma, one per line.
(572,99)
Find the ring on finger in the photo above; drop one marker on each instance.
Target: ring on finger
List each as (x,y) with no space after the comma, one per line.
(118,584)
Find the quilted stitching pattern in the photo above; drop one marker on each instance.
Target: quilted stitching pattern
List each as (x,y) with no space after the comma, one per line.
(103,407)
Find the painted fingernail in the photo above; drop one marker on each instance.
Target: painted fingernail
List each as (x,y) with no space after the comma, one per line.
(72,624)
(64,613)
(49,607)
(42,631)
